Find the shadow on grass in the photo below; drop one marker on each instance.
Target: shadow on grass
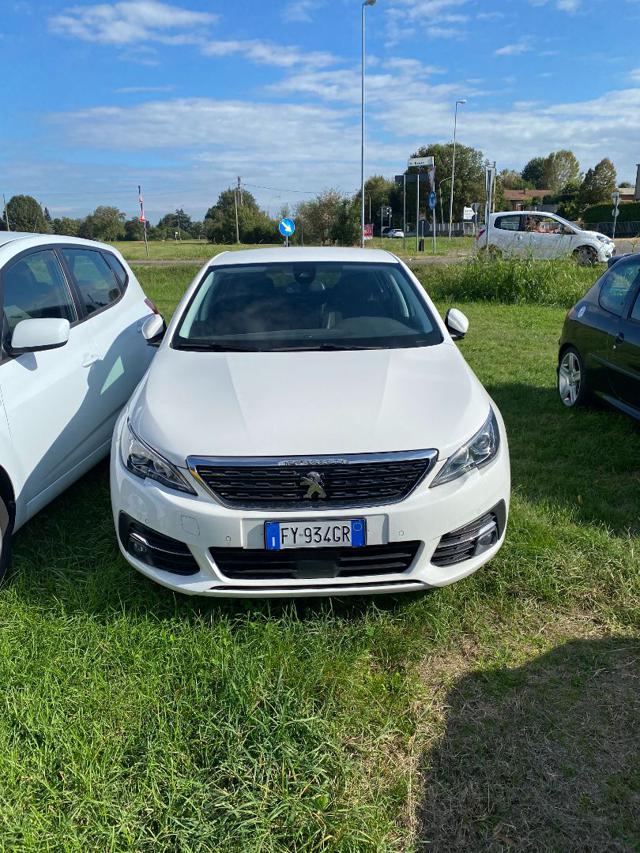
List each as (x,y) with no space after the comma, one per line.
(583,459)
(541,757)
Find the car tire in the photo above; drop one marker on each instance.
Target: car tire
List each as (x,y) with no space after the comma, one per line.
(586,256)
(573,386)
(490,253)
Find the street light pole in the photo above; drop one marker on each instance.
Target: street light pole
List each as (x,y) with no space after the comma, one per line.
(364,5)
(453,164)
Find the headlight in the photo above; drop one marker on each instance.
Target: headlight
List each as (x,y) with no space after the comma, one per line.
(478,451)
(145,462)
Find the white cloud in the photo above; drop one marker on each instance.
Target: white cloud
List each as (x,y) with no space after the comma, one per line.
(634,76)
(514,49)
(268,53)
(131,21)
(142,90)
(570,6)
(405,16)
(300,11)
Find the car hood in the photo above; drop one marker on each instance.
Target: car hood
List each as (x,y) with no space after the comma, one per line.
(596,235)
(307,403)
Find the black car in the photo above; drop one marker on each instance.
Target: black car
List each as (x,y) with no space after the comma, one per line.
(600,344)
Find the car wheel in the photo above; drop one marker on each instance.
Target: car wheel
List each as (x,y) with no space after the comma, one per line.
(572,379)
(586,256)
(491,253)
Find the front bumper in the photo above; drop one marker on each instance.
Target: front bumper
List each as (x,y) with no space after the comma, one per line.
(202,524)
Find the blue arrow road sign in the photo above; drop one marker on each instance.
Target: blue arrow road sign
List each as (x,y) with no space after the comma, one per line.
(287,227)
(432,201)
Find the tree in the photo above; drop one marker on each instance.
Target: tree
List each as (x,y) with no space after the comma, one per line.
(25,214)
(378,192)
(254,224)
(560,168)
(345,228)
(568,200)
(533,173)
(105,223)
(66,226)
(134,229)
(319,216)
(178,221)
(469,179)
(512,180)
(598,184)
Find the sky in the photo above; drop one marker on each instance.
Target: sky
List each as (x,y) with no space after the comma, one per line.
(183,97)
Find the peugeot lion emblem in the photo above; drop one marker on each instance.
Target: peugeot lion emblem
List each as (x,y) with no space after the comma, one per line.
(315,486)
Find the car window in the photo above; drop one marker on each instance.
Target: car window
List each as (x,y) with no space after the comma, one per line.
(508,223)
(94,278)
(306,306)
(617,284)
(33,287)
(635,314)
(117,268)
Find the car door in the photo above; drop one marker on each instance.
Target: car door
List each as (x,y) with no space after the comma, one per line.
(624,359)
(506,234)
(542,238)
(44,393)
(121,354)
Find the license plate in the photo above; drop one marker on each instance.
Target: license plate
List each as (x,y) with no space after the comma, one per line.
(351,533)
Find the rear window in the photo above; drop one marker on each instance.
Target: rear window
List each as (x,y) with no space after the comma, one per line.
(306,306)
(617,284)
(94,278)
(508,223)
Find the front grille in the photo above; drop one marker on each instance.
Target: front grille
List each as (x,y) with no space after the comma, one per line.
(462,544)
(155,549)
(305,564)
(272,483)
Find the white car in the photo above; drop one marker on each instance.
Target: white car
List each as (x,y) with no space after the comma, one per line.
(308,427)
(539,235)
(72,354)
(394,233)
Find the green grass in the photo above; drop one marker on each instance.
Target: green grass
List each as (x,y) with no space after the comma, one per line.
(510,281)
(186,250)
(133,719)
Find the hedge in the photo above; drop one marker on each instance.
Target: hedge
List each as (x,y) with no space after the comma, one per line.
(627,212)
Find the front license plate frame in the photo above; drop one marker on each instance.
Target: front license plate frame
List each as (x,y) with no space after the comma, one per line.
(315,533)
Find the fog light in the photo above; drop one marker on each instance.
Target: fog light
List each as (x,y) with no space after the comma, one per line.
(487,538)
(138,545)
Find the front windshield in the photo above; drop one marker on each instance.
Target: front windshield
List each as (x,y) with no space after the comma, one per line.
(306,306)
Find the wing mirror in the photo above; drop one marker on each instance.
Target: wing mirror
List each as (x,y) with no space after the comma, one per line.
(153,329)
(38,334)
(457,323)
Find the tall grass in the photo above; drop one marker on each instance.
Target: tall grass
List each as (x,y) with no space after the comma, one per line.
(511,281)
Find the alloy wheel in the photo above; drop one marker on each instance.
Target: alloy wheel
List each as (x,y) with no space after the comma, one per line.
(569,378)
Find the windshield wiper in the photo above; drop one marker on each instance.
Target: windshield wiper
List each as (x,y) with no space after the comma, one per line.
(216,347)
(325,347)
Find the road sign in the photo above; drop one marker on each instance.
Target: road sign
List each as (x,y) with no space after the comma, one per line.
(410,179)
(287,227)
(615,197)
(421,161)
(368,232)
(432,201)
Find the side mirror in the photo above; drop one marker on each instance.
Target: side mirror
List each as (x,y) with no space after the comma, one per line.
(153,329)
(457,324)
(39,334)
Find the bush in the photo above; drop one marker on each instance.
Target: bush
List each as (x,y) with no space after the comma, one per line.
(627,212)
(510,281)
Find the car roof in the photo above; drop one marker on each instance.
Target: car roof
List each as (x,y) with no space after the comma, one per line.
(299,254)
(526,213)
(28,240)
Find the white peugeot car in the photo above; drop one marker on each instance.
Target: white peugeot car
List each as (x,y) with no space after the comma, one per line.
(72,354)
(533,234)
(309,427)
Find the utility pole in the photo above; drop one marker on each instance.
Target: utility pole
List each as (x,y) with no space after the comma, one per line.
(6,212)
(143,219)
(453,164)
(238,200)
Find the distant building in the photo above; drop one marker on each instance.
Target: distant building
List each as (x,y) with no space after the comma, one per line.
(524,199)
